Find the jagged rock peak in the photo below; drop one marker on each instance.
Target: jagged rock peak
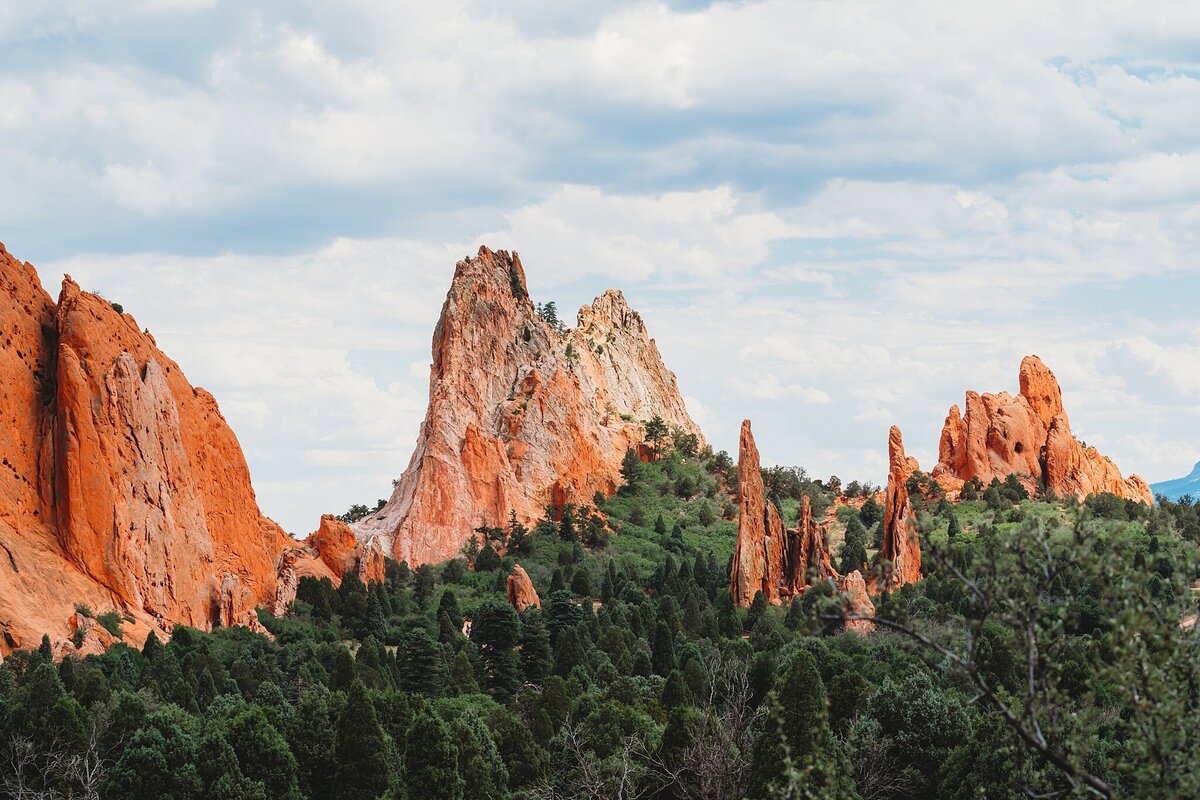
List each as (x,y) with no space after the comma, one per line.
(760,555)
(128,491)
(522,413)
(1027,435)
(901,551)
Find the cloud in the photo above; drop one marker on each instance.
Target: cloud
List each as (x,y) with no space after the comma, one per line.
(833,217)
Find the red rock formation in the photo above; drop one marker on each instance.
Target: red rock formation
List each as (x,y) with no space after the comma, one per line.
(338,548)
(521,594)
(858,603)
(758,552)
(521,413)
(1027,435)
(901,551)
(123,486)
(808,559)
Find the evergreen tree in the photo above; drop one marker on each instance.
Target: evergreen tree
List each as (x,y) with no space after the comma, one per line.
(853,552)
(309,740)
(462,674)
(424,582)
(631,471)
(449,606)
(344,671)
(431,760)
(675,692)
(537,659)
(796,754)
(361,751)
(479,762)
(263,753)
(495,629)
(420,664)
(954,528)
(662,648)
(581,583)
(569,652)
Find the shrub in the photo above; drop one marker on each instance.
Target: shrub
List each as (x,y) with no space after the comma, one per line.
(111,622)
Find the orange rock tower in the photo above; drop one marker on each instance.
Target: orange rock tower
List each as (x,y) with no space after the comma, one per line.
(1027,435)
(522,414)
(901,548)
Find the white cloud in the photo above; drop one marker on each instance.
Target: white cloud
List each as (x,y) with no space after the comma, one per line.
(833,216)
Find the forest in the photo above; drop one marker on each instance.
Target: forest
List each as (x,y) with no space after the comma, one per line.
(1050,651)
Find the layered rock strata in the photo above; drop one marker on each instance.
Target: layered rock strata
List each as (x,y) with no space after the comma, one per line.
(1027,435)
(523,414)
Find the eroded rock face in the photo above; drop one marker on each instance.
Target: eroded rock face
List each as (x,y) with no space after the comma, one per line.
(521,414)
(858,603)
(751,573)
(335,544)
(901,549)
(521,594)
(1027,435)
(123,487)
(808,559)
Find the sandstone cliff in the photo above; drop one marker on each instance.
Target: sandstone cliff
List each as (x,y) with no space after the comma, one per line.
(123,487)
(1028,435)
(901,551)
(521,414)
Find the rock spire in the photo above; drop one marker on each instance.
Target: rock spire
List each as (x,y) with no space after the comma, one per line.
(523,413)
(1027,435)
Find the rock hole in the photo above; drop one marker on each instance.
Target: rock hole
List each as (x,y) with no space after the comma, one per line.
(1020,448)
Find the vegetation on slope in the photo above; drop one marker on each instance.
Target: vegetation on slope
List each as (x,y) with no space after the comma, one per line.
(1041,654)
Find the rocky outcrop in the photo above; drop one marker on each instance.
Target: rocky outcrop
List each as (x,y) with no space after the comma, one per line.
(758,534)
(521,594)
(123,487)
(340,550)
(857,603)
(808,559)
(1027,435)
(901,551)
(521,413)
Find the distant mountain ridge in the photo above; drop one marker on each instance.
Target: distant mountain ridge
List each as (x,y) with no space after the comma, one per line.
(1175,489)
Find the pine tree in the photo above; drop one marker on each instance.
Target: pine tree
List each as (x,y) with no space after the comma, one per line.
(495,629)
(344,671)
(479,762)
(662,648)
(361,750)
(537,659)
(462,675)
(431,760)
(954,528)
(569,653)
(853,552)
(796,754)
(448,604)
(420,665)
(675,692)
(308,737)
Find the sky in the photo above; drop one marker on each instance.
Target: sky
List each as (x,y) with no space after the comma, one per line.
(834,217)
